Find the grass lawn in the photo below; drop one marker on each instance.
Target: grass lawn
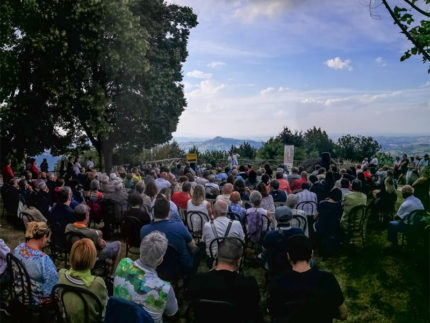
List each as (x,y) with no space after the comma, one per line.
(380,284)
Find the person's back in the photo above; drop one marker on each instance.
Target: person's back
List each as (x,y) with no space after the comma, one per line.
(305,294)
(225,284)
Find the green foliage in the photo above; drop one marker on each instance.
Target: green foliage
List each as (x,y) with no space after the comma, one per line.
(418,32)
(357,147)
(317,142)
(246,151)
(166,151)
(213,157)
(194,150)
(105,71)
(272,149)
(287,137)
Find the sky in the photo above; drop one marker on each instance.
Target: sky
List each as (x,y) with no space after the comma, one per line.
(255,66)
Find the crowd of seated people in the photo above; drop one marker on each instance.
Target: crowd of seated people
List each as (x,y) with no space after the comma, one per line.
(238,204)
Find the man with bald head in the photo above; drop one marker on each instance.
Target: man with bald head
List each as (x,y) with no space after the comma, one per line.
(227,189)
(221,227)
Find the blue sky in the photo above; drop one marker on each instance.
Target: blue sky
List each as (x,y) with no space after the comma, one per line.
(257,65)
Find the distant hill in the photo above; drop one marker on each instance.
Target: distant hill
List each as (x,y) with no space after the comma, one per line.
(411,145)
(217,143)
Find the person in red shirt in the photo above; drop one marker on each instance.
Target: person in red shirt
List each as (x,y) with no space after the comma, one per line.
(366,172)
(297,184)
(7,172)
(34,171)
(283,183)
(181,198)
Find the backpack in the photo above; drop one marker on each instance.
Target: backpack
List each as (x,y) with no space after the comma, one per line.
(255,225)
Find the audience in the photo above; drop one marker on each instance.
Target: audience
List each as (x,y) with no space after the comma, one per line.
(277,195)
(351,200)
(198,203)
(181,198)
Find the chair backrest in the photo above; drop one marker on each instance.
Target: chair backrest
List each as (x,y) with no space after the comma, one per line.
(278,204)
(119,310)
(414,218)
(183,214)
(10,198)
(357,223)
(310,207)
(20,289)
(170,268)
(208,310)
(72,237)
(299,221)
(130,230)
(195,223)
(59,297)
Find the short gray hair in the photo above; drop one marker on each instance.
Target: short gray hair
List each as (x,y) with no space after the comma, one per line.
(41,185)
(255,198)
(94,185)
(221,206)
(152,248)
(292,201)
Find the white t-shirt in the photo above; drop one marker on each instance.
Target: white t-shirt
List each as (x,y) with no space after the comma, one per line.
(221,224)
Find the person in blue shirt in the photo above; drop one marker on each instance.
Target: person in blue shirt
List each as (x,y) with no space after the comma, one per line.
(177,234)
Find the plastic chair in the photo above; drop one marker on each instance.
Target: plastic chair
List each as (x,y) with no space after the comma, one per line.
(62,306)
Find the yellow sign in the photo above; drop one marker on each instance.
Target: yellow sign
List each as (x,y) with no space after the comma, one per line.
(192,158)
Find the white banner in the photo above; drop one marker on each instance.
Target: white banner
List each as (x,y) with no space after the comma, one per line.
(289,156)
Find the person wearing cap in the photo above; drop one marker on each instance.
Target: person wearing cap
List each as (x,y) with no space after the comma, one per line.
(275,242)
(305,294)
(39,266)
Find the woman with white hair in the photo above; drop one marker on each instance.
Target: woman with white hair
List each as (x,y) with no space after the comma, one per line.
(137,281)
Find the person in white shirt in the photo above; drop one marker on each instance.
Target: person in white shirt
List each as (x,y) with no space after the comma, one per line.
(221,227)
(90,163)
(162,181)
(410,204)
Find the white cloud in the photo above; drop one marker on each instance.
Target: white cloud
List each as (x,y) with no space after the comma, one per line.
(267,91)
(337,64)
(216,64)
(249,10)
(205,90)
(199,74)
(380,61)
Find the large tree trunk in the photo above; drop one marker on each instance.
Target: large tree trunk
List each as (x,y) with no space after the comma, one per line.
(107,151)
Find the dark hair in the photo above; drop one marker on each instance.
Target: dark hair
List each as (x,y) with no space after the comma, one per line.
(135,199)
(313,179)
(306,186)
(344,183)
(230,179)
(167,192)
(239,186)
(151,189)
(262,189)
(279,175)
(356,185)
(299,248)
(63,194)
(335,194)
(226,170)
(252,177)
(186,187)
(31,199)
(183,179)
(274,184)
(265,179)
(161,208)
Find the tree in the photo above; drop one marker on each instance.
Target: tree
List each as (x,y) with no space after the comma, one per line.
(287,137)
(272,149)
(246,151)
(316,142)
(417,33)
(357,147)
(113,76)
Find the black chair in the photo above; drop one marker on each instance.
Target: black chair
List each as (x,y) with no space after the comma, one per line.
(356,225)
(26,216)
(414,232)
(236,217)
(112,213)
(20,289)
(209,310)
(278,204)
(59,297)
(299,221)
(183,214)
(195,222)
(58,243)
(170,268)
(130,231)
(72,237)
(10,198)
(217,241)
(310,207)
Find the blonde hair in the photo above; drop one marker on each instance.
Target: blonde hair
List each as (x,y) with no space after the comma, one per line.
(36,230)
(198,195)
(389,185)
(83,254)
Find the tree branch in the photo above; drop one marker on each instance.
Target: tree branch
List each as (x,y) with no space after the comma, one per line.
(421,11)
(405,31)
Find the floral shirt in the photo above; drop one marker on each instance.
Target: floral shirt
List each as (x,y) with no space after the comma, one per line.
(140,284)
(40,268)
